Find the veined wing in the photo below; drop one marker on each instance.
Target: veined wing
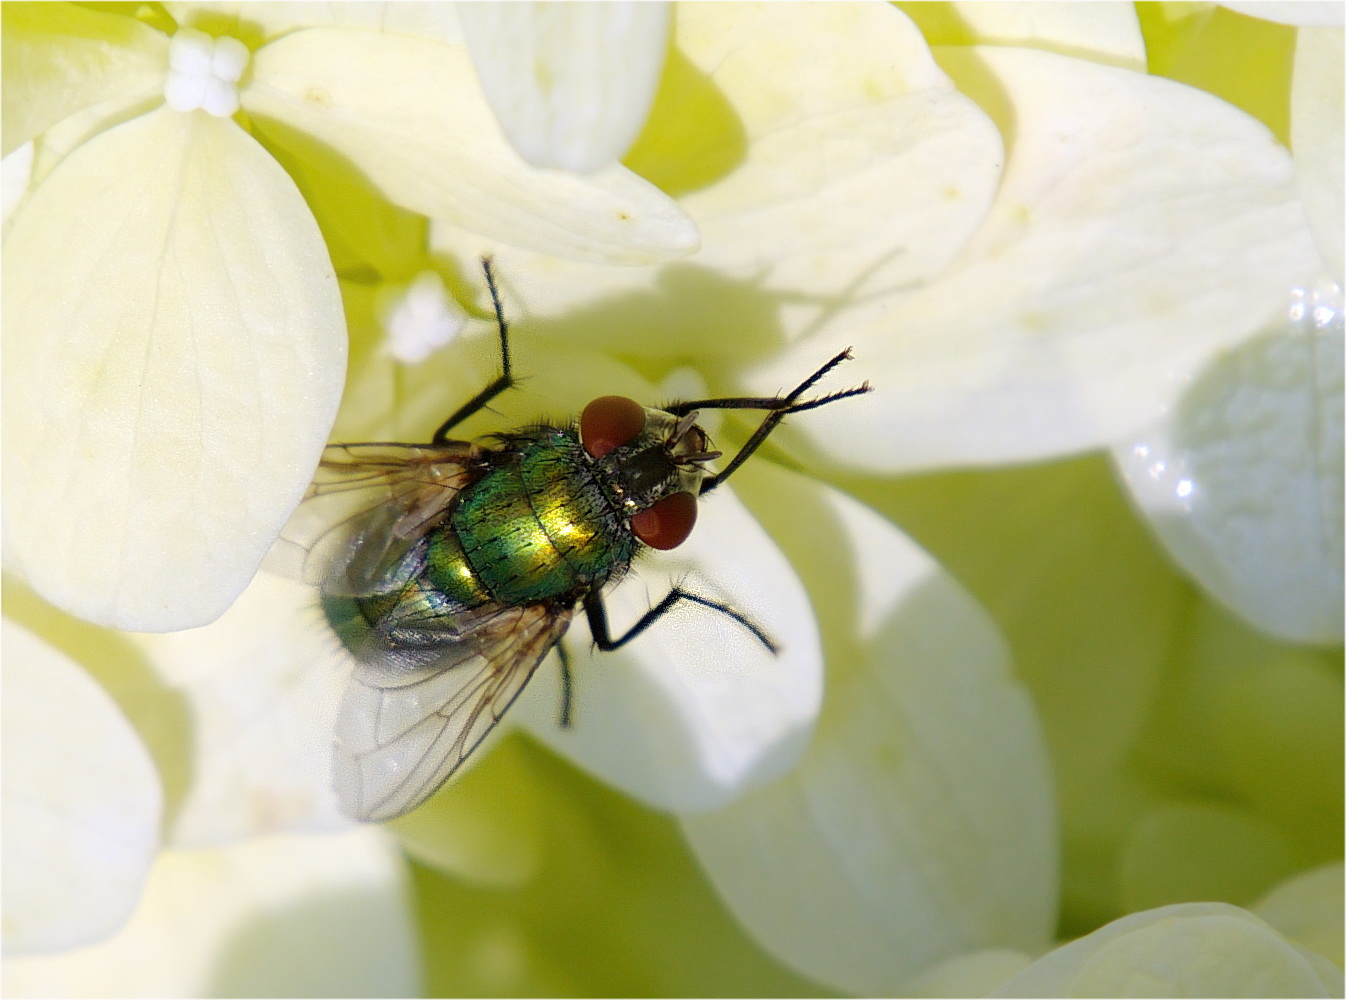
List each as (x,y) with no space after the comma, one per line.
(372,497)
(410,717)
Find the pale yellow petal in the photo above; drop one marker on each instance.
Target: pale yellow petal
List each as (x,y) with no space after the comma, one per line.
(860,172)
(569,83)
(1141,227)
(409,113)
(173,356)
(82,803)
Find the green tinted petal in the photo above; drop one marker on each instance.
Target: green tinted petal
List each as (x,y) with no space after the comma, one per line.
(1308,910)
(60,58)
(1191,853)
(1194,949)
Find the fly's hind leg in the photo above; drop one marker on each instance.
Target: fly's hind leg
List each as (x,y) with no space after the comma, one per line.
(505,380)
(598,619)
(567,684)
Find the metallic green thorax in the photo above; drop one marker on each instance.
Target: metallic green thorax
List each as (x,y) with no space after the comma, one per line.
(539,525)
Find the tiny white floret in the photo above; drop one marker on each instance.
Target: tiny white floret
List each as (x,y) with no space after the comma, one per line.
(422,320)
(204,72)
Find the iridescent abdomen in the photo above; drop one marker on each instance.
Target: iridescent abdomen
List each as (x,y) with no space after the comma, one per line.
(540,525)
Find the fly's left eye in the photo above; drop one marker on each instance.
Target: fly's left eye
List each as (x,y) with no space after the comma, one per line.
(609,422)
(667,523)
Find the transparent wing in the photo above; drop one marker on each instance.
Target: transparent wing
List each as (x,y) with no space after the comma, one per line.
(410,718)
(371,497)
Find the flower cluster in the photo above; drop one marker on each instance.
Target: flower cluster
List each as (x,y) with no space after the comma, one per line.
(1058,703)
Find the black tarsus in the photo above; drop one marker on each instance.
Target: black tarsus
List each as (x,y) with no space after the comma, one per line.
(598,619)
(567,687)
(505,380)
(780,407)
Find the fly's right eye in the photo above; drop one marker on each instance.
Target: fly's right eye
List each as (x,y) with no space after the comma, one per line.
(609,422)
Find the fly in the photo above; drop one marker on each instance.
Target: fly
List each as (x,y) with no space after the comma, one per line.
(449,570)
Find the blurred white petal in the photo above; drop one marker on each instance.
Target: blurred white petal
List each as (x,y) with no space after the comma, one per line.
(82,803)
(410,114)
(1192,949)
(276,916)
(1140,228)
(920,824)
(62,58)
(1296,12)
(571,83)
(1243,479)
(1308,910)
(697,709)
(262,684)
(173,357)
(1317,126)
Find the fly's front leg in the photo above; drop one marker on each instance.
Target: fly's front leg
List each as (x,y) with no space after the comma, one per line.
(598,618)
(505,380)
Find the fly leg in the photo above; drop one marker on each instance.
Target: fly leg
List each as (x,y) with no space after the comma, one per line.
(566,684)
(778,408)
(598,619)
(505,380)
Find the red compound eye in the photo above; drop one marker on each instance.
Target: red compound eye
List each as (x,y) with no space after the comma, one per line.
(667,524)
(610,422)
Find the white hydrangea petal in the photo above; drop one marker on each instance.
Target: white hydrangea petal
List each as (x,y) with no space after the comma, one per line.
(696,709)
(410,114)
(262,684)
(1141,227)
(569,83)
(1308,910)
(82,803)
(1306,13)
(1317,130)
(62,58)
(1107,33)
(1191,949)
(859,174)
(275,916)
(174,353)
(1243,479)
(920,824)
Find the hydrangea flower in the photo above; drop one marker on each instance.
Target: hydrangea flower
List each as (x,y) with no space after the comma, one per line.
(1023,750)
